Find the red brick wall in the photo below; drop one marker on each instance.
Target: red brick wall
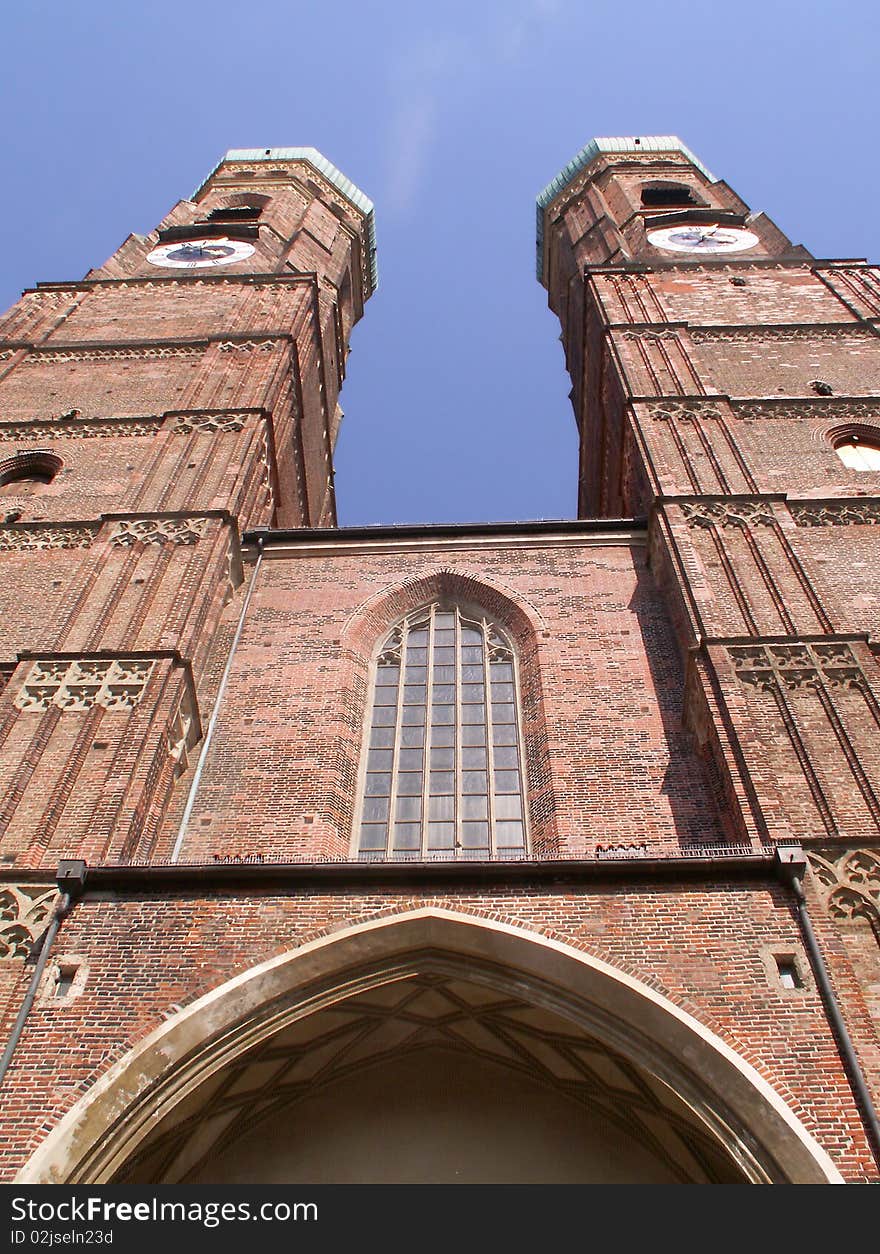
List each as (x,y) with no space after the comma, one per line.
(602,692)
(148,955)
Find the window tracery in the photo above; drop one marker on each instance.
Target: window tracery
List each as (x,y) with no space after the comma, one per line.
(443,760)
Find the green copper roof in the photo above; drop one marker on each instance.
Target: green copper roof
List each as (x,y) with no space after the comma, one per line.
(620,143)
(349,190)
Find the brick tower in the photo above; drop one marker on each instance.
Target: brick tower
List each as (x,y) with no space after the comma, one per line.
(516,852)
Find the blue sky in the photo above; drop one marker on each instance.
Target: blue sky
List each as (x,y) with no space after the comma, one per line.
(451,117)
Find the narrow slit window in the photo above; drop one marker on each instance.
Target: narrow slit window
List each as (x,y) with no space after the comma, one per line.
(443,772)
(789,976)
(64,979)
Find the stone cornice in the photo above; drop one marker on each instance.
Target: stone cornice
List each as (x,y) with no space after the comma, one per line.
(778,330)
(149,347)
(178,421)
(447,537)
(286,277)
(194,877)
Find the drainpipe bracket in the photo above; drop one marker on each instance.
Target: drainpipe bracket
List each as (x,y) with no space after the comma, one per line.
(71,876)
(791,863)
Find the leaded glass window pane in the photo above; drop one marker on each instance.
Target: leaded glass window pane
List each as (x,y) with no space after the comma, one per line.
(407,835)
(509,835)
(375,809)
(445,683)
(373,836)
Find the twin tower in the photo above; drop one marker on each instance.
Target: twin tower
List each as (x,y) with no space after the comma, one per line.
(552,849)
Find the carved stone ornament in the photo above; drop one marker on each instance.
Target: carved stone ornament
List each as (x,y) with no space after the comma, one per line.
(797,667)
(693,411)
(24,915)
(837,409)
(783,333)
(37,357)
(24,539)
(728,513)
(52,296)
(79,430)
(114,684)
(248,346)
(158,531)
(185,423)
(650,334)
(850,883)
(835,513)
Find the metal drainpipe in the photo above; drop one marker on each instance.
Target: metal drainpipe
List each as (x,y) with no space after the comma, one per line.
(791,864)
(70,878)
(212,722)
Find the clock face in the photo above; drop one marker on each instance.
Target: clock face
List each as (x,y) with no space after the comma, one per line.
(695,238)
(198,254)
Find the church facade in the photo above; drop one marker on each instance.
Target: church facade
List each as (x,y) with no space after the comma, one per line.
(503,852)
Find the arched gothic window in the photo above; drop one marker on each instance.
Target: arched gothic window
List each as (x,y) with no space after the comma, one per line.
(859,454)
(24,474)
(443,774)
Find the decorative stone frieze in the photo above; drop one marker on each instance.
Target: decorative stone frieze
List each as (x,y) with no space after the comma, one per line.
(835,513)
(158,531)
(788,332)
(24,539)
(797,666)
(836,409)
(683,411)
(24,915)
(22,431)
(128,352)
(248,346)
(646,333)
(728,513)
(114,684)
(185,423)
(52,295)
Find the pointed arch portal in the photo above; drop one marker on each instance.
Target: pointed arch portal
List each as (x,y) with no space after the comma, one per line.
(430,1046)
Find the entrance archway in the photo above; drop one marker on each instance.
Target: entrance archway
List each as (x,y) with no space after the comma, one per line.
(485,1052)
